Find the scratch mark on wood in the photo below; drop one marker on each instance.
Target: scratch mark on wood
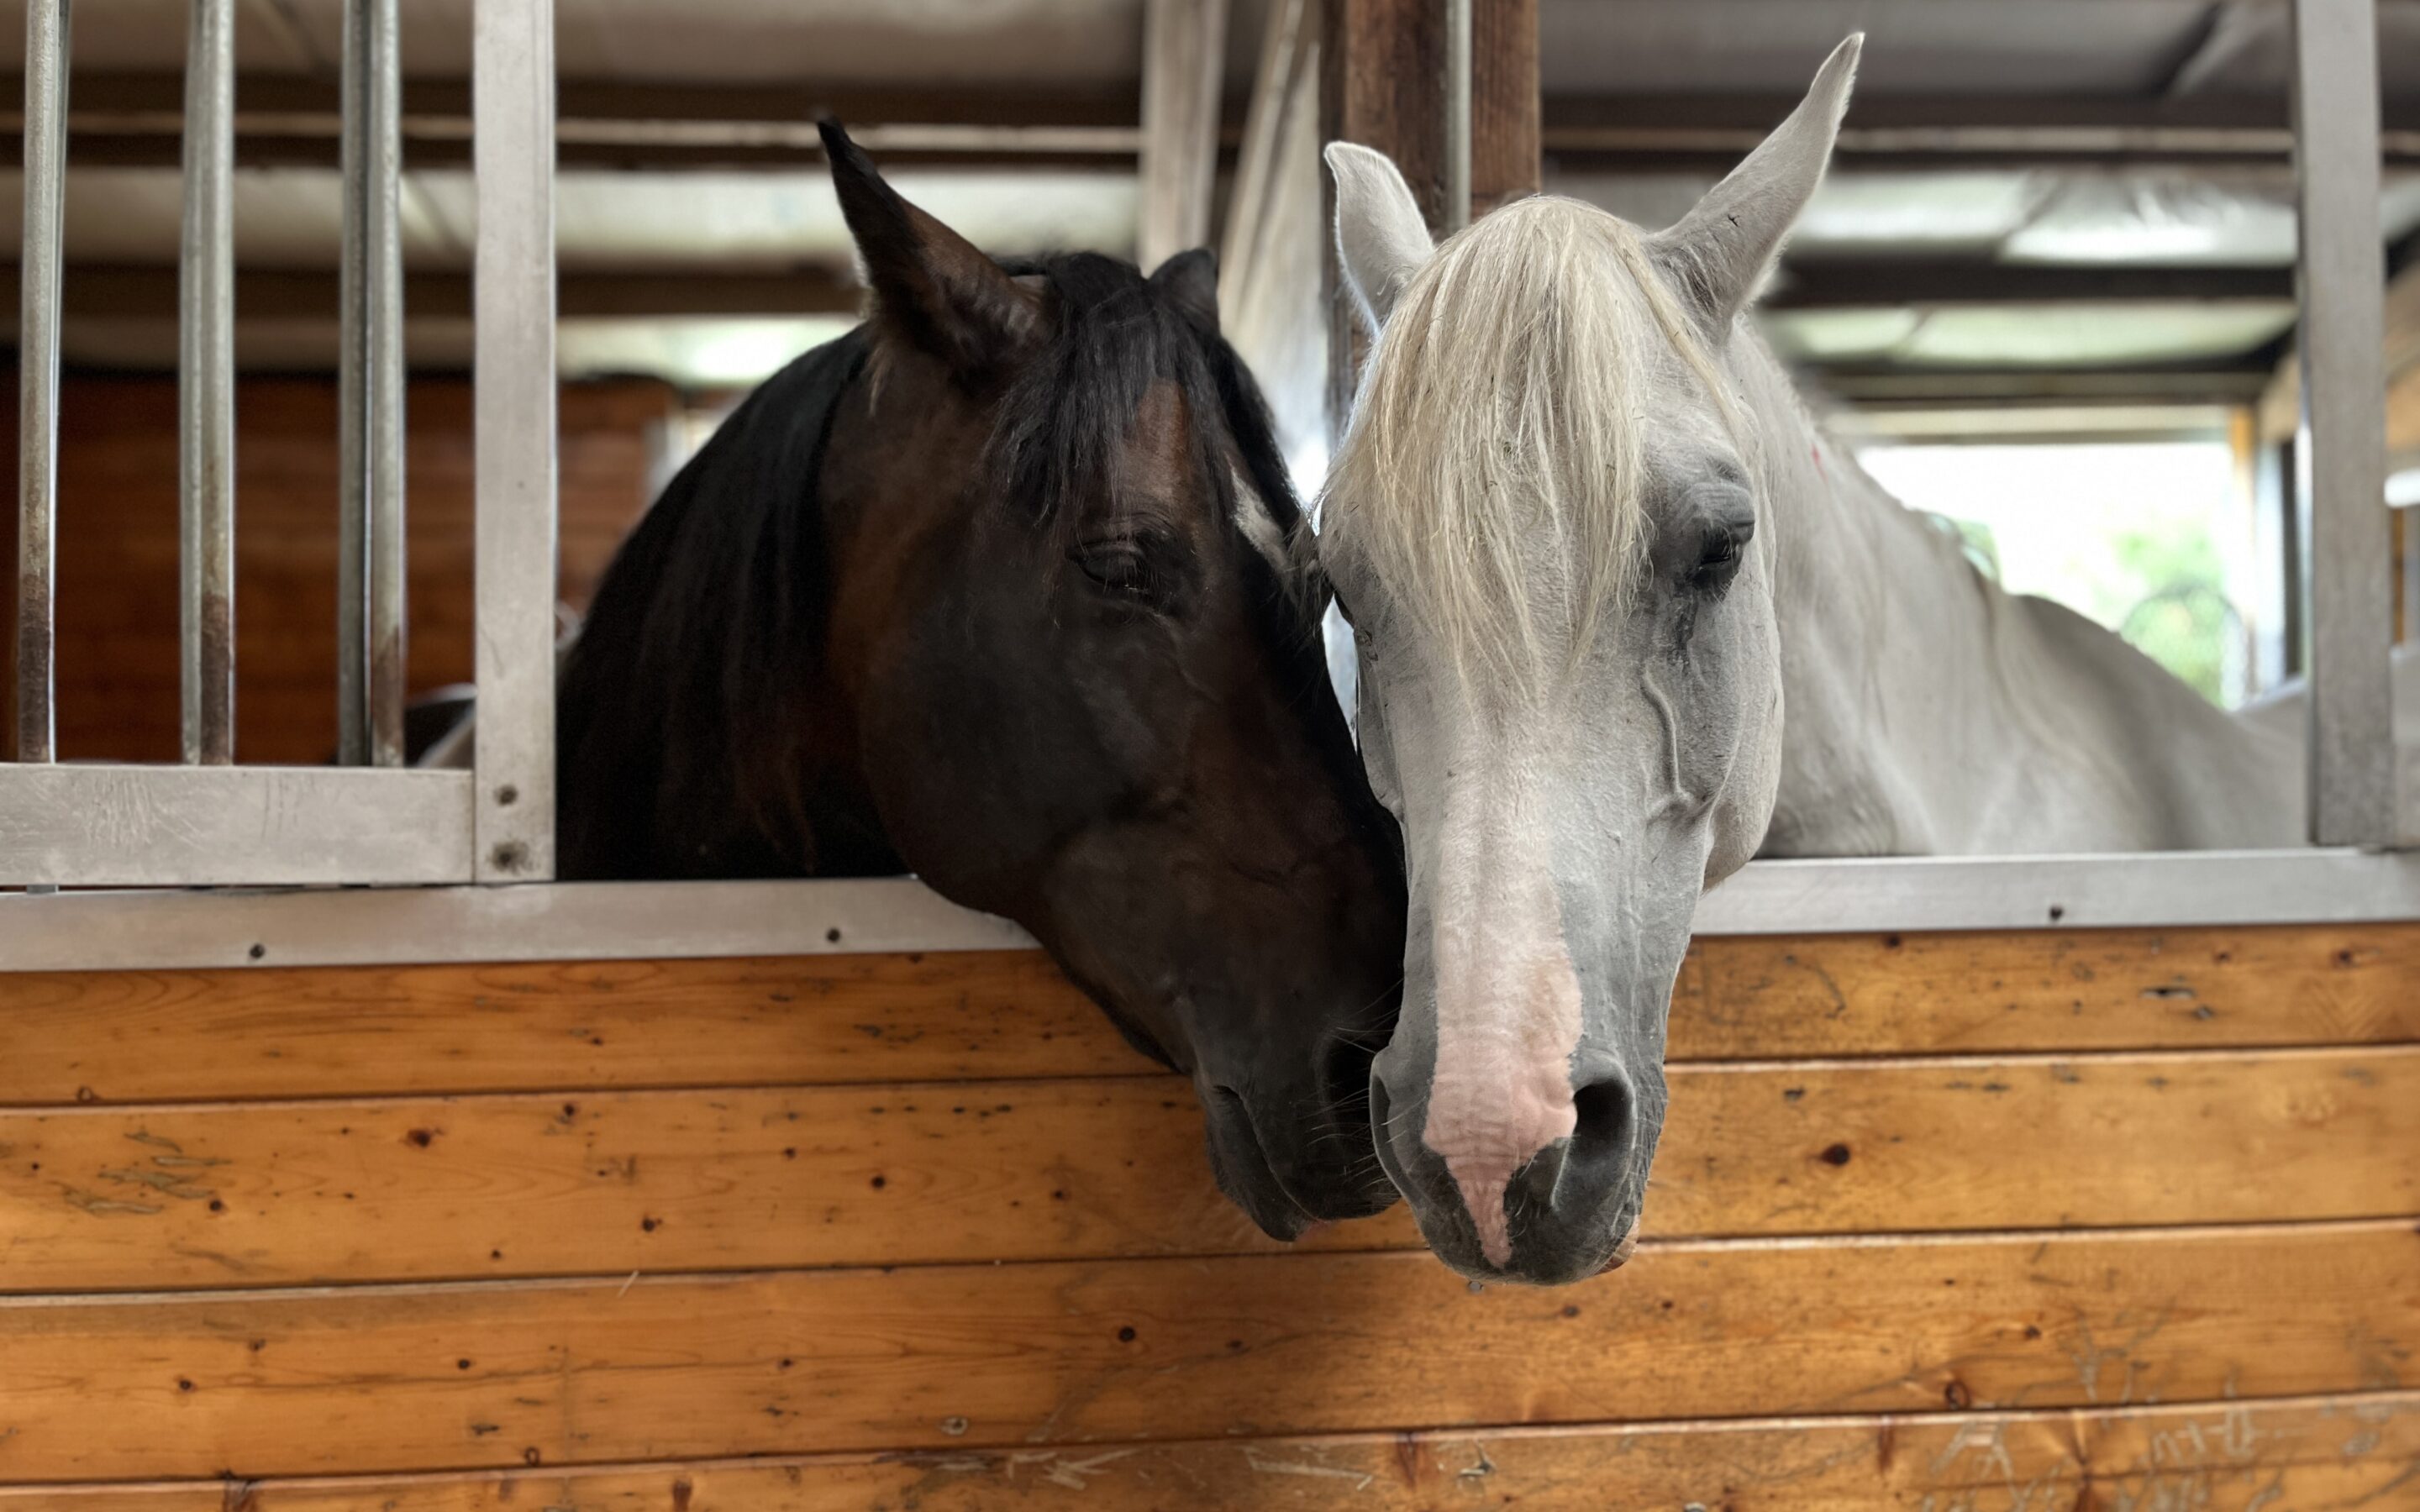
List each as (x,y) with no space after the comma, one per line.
(104,1207)
(1294,1467)
(161,1182)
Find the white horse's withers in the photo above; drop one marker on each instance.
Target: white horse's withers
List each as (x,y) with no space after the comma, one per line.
(1627,617)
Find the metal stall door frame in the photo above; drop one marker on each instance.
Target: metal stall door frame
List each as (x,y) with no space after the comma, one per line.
(211,822)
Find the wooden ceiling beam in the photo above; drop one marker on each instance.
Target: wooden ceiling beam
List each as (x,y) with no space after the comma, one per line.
(1887,281)
(139,292)
(135,120)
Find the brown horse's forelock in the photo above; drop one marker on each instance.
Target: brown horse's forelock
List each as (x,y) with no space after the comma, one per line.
(1055,444)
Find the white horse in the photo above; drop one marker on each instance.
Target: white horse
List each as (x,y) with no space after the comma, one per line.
(1628,617)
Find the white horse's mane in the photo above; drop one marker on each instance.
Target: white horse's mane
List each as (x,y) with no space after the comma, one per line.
(1501,412)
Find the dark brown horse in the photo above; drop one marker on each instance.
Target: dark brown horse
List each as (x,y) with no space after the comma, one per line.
(1002,589)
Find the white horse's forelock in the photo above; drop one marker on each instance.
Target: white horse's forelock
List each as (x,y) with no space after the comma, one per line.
(1501,403)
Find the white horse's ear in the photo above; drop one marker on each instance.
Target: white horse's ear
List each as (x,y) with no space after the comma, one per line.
(1380,237)
(1722,249)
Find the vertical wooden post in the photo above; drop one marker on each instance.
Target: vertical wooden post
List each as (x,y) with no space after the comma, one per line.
(1505,154)
(1383,84)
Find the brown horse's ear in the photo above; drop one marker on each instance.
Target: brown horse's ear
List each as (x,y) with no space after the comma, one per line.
(930,284)
(1189,280)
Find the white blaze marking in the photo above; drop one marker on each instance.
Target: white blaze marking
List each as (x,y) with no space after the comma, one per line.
(1260,527)
(1508,1004)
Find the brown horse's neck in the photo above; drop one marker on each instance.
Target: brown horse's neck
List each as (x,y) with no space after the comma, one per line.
(701,730)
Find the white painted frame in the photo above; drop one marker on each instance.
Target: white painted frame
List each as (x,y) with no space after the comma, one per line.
(600,922)
(155,827)
(207,823)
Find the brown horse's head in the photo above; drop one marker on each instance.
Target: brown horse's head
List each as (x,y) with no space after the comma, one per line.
(1037,625)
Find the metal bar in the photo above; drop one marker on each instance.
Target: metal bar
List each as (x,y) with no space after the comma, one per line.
(38,395)
(148,827)
(1457,114)
(370,581)
(514,435)
(2341,272)
(352,410)
(599,922)
(206,387)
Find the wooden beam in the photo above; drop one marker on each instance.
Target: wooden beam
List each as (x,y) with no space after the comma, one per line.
(347,1380)
(2353,1450)
(1505,146)
(84,1039)
(134,120)
(1905,387)
(1702,133)
(1892,282)
(1184,57)
(425,1188)
(122,291)
(1383,63)
(1808,285)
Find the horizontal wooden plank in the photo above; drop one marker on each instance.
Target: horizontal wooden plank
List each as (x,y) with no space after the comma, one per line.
(158,1036)
(403,1189)
(2052,990)
(360,1379)
(84,1037)
(2311,1453)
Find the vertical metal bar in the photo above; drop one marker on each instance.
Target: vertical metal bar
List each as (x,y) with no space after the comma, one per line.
(352,412)
(512,105)
(1457,114)
(38,395)
(369,573)
(206,386)
(2341,275)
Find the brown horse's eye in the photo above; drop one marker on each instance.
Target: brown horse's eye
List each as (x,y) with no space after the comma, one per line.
(1120,568)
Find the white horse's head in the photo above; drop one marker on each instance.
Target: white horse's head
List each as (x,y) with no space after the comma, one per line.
(1545,525)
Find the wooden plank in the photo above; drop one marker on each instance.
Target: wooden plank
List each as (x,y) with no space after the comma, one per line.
(86,1037)
(2213,1456)
(426,1189)
(357,1379)
(1856,995)
(146,1036)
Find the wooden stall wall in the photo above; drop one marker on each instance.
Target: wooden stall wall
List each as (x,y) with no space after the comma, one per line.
(118,574)
(1990,1223)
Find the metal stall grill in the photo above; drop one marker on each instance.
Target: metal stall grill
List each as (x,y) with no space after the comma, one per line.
(211,820)
(215,821)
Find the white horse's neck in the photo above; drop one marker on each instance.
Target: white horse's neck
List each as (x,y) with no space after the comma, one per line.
(1927,711)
